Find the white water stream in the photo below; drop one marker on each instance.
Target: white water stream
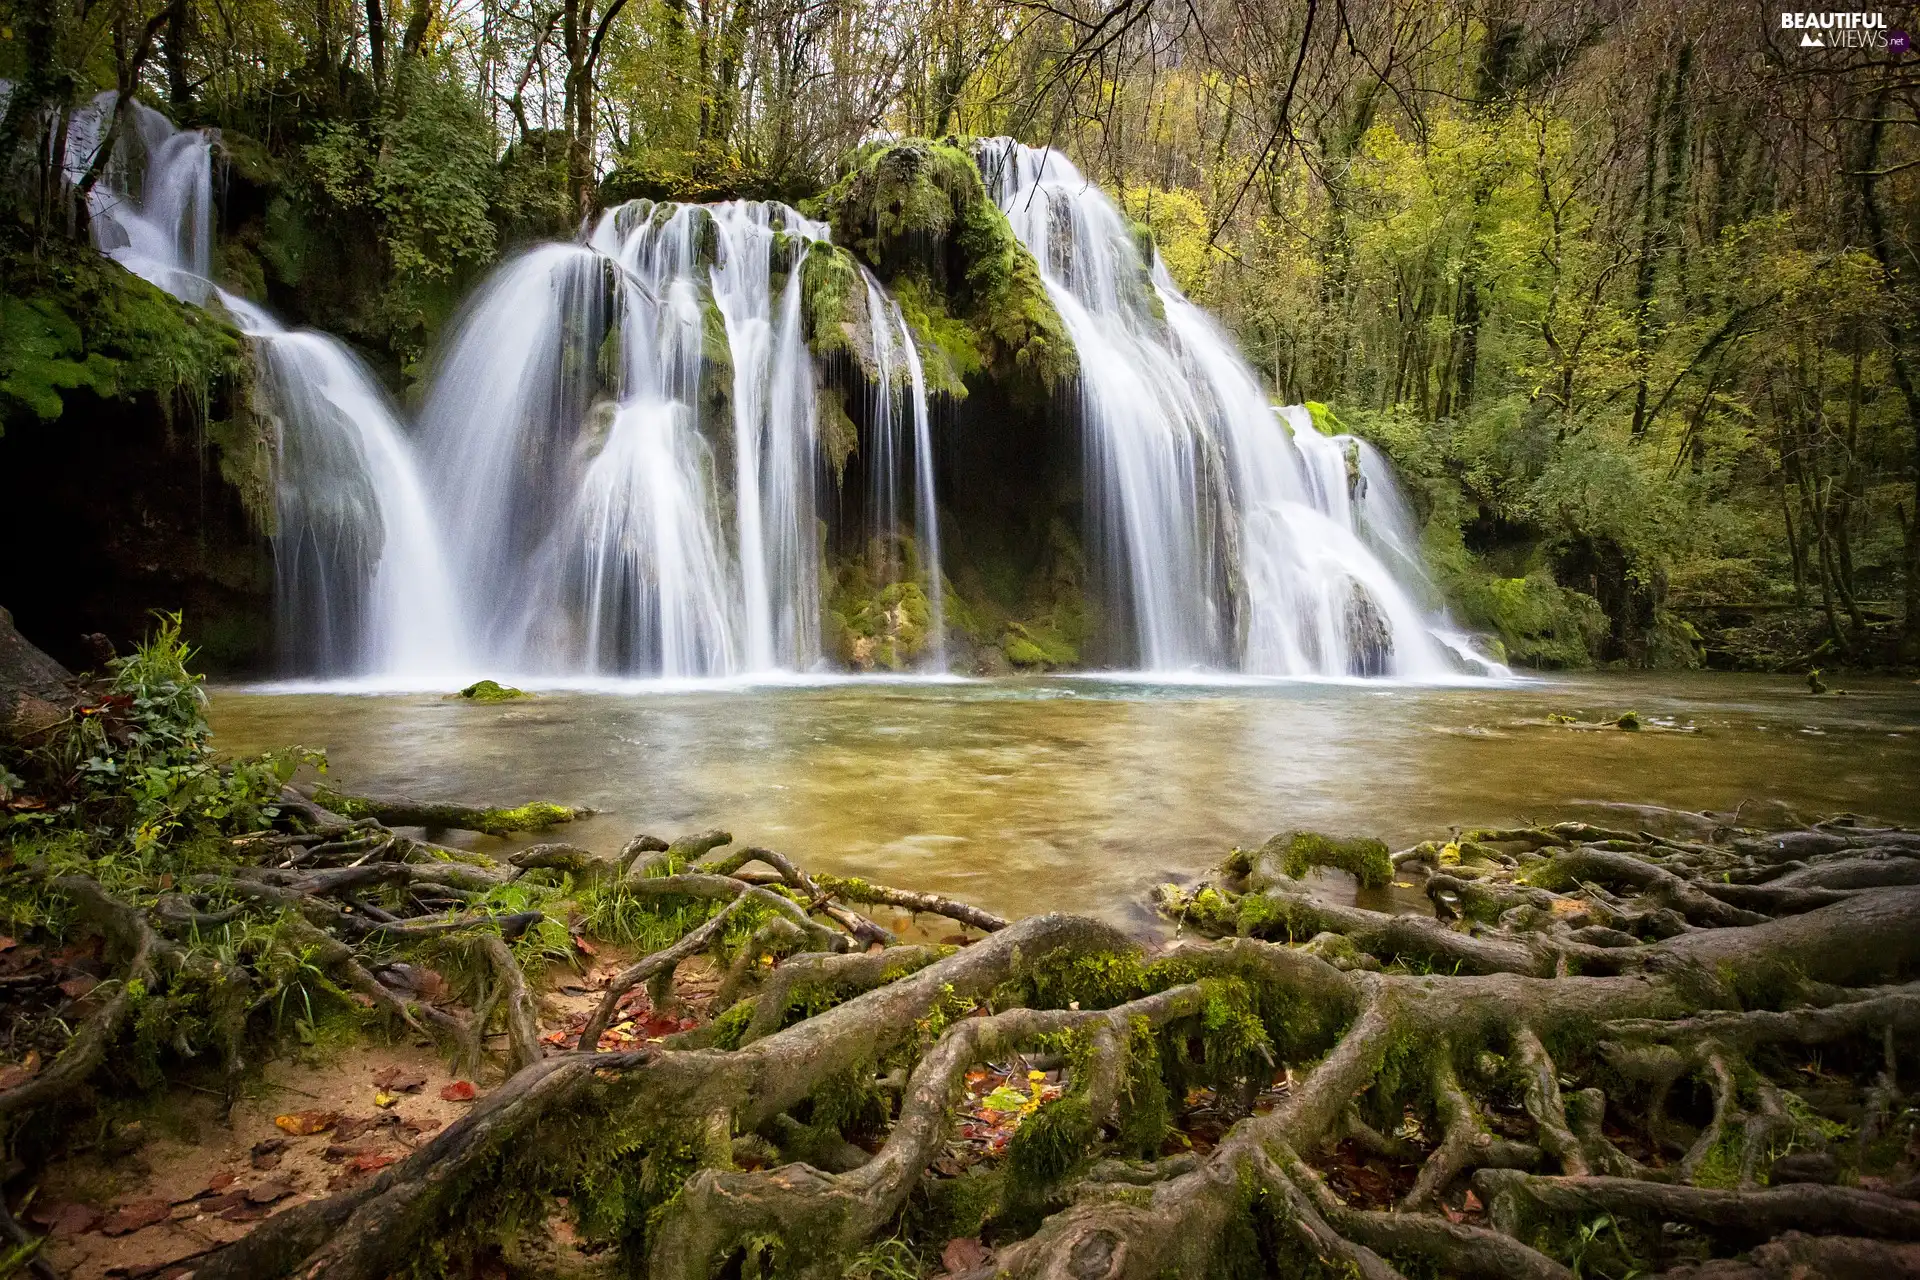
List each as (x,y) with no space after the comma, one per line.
(1229,534)
(616,471)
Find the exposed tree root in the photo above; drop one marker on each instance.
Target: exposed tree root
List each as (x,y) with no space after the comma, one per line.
(1599,1033)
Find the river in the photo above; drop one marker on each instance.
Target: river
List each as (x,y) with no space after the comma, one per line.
(1081,793)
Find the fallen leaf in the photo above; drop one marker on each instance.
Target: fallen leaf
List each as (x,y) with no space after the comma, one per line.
(267,1160)
(6,943)
(245,1213)
(965,1253)
(369,1162)
(458,1091)
(338,1151)
(222,1203)
(66,1219)
(13,1077)
(1472,1203)
(79,985)
(221,1181)
(586,947)
(362,999)
(268,1192)
(382,1098)
(302,1123)
(353,1127)
(398,1079)
(267,1146)
(132,1217)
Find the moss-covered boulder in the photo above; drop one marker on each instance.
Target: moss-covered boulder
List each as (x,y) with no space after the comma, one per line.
(918,213)
(134,472)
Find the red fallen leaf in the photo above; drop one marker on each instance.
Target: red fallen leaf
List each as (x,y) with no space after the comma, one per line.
(267,1160)
(79,985)
(6,943)
(129,1218)
(1472,1203)
(586,947)
(268,1192)
(66,1219)
(221,1181)
(398,1079)
(1453,1214)
(965,1253)
(371,1161)
(220,1204)
(362,999)
(458,1091)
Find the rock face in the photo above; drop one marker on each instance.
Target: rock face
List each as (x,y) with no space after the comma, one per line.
(33,687)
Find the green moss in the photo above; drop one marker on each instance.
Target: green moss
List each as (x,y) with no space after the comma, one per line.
(1038,647)
(877,614)
(75,321)
(1368,860)
(949,1208)
(838,436)
(1324,420)
(833,304)
(918,212)
(491,691)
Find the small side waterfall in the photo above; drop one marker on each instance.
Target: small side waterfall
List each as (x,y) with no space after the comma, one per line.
(360,582)
(1229,533)
(894,354)
(152,208)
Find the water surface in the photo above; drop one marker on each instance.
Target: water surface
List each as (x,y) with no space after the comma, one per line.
(1081,793)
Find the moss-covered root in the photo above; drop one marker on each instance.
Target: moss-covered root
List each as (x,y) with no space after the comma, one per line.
(399,811)
(811,1221)
(1298,852)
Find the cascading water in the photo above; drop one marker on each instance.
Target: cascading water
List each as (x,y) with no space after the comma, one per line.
(893,346)
(163,234)
(359,578)
(568,420)
(1228,532)
(623,433)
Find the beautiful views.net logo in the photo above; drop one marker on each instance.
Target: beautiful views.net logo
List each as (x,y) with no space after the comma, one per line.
(1839,30)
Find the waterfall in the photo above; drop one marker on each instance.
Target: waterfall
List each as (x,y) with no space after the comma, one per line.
(620,473)
(887,453)
(1228,533)
(360,583)
(572,425)
(152,208)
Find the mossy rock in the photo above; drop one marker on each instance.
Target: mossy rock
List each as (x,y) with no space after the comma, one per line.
(918,212)
(491,691)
